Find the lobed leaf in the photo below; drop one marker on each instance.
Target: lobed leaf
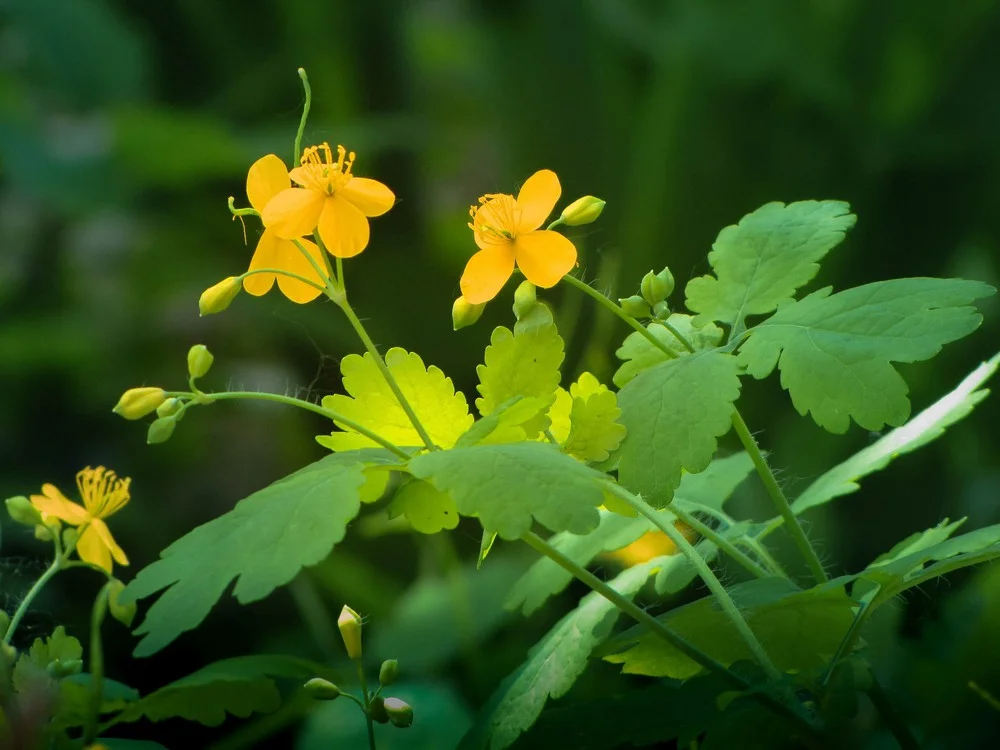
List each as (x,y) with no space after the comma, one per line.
(427,509)
(639,353)
(835,351)
(594,430)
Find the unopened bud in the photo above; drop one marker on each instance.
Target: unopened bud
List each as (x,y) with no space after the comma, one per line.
(69,536)
(46,532)
(22,511)
(654,289)
(161,430)
(582,211)
(667,278)
(525,299)
(59,669)
(349,624)
(124,613)
(217,298)
(400,713)
(322,690)
(199,361)
(169,408)
(464,313)
(136,403)
(634,306)
(376,709)
(388,672)
(661,310)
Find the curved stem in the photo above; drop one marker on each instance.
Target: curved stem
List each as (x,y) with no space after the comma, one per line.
(368,706)
(281,272)
(677,334)
(309,406)
(778,498)
(721,542)
(30,596)
(240,211)
(704,572)
(96,665)
(758,548)
(305,115)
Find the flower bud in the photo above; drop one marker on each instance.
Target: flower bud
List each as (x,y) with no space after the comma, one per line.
(199,361)
(388,672)
(349,624)
(524,299)
(654,289)
(69,536)
(464,314)
(169,408)
(59,669)
(400,713)
(661,310)
(376,710)
(47,532)
(634,306)
(667,278)
(582,211)
(322,690)
(124,613)
(160,430)
(217,298)
(136,403)
(22,511)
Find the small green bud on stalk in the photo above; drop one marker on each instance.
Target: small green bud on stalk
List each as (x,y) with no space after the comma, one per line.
(654,289)
(124,613)
(136,403)
(400,713)
(69,536)
(349,624)
(217,298)
(46,532)
(661,310)
(199,361)
(22,511)
(169,408)
(666,278)
(525,299)
(635,306)
(59,669)
(376,709)
(582,211)
(388,673)
(464,314)
(161,430)
(322,690)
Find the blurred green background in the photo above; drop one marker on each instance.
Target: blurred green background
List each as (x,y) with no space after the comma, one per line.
(125,125)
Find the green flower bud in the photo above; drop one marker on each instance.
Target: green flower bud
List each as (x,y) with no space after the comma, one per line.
(400,713)
(161,430)
(388,673)
(69,536)
(136,403)
(46,533)
(59,669)
(169,408)
(322,690)
(661,310)
(667,278)
(654,289)
(217,298)
(349,624)
(124,613)
(634,306)
(582,211)
(22,511)
(377,710)
(199,361)
(524,299)
(464,314)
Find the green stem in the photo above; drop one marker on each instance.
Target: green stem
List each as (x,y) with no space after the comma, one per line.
(30,596)
(330,290)
(305,116)
(763,554)
(281,272)
(847,643)
(677,334)
(721,542)
(704,572)
(779,499)
(96,665)
(669,636)
(240,211)
(368,707)
(893,721)
(309,406)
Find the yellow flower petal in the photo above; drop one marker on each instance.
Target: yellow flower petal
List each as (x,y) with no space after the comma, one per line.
(537,198)
(104,534)
(92,549)
(53,502)
(292,259)
(264,256)
(370,197)
(267,177)
(486,273)
(544,257)
(343,228)
(293,213)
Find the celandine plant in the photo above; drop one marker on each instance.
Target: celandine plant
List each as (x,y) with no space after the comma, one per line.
(770,660)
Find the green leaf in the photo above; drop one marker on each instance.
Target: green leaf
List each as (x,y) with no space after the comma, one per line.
(510,423)
(263,542)
(76,699)
(443,412)
(427,509)
(639,354)
(521,363)
(553,665)
(673,413)
(835,352)
(60,651)
(798,629)
(760,262)
(594,429)
(239,686)
(928,425)
(509,486)
(545,578)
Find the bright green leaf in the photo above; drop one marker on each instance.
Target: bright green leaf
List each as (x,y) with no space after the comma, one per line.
(509,486)
(639,353)
(594,429)
(674,412)
(443,412)
(263,543)
(760,262)
(510,423)
(427,509)
(835,352)
(58,649)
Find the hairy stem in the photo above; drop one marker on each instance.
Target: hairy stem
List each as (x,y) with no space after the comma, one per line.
(738,555)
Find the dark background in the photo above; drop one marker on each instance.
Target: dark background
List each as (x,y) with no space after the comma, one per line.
(124,126)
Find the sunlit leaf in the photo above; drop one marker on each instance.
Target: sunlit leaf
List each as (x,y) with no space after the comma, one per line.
(510,423)
(427,509)
(594,428)
(835,351)
(639,353)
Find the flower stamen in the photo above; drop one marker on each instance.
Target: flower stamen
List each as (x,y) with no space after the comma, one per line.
(102,491)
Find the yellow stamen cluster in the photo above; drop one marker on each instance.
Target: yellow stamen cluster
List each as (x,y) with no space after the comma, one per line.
(320,172)
(102,491)
(495,218)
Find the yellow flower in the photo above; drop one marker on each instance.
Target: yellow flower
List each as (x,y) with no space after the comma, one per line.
(330,202)
(103,494)
(507,232)
(266,179)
